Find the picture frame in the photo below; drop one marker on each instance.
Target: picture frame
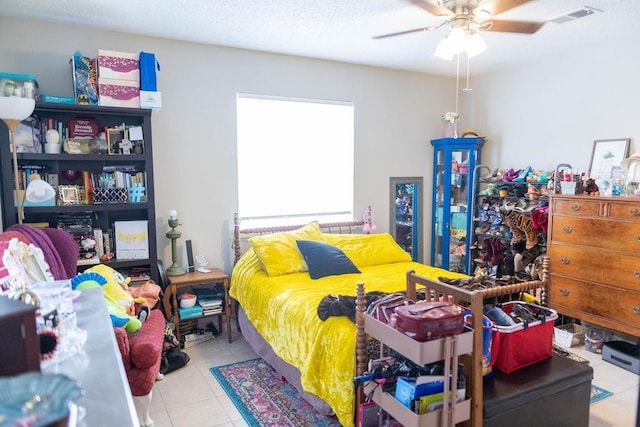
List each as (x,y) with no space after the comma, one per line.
(607,154)
(115,136)
(69,194)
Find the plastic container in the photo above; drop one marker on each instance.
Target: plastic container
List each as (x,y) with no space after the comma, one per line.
(594,339)
(21,85)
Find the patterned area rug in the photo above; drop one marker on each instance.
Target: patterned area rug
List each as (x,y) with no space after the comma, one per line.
(264,398)
(598,393)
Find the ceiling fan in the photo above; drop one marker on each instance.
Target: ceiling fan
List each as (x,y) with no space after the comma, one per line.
(472,16)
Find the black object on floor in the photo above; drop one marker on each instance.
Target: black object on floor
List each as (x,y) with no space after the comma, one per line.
(553,392)
(622,354)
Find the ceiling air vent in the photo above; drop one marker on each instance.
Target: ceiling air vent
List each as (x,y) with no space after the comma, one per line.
(581,13)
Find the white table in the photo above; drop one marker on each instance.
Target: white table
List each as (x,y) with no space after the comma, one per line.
(98,367)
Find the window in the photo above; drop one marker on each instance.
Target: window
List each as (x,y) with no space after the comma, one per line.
(295,160)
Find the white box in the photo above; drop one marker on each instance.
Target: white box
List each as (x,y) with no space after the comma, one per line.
(119,93)
(132,239)
(118,65)
(151,100)
(568,335)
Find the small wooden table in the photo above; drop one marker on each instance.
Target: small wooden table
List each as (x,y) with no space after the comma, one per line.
(170,299)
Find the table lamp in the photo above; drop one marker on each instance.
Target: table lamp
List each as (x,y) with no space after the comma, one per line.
(13,110)
(39,191)
(175,269)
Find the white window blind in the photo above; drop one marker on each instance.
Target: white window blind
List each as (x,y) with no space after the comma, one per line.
(295,160)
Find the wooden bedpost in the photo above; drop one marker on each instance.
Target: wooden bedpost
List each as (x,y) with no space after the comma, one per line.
(361,346)
(546,279)
(236,237)
(361,337)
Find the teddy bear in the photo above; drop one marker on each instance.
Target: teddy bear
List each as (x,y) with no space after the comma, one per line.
(591,188)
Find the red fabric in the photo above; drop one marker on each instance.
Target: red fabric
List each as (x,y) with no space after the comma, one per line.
(540,219)
(513,350)
(141,353)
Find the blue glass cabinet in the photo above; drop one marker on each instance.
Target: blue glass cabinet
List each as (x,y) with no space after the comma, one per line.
(454,160)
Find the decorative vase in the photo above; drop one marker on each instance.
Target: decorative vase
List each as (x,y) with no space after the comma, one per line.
(450,129)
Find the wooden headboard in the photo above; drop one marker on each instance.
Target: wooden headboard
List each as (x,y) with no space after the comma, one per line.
(240,235)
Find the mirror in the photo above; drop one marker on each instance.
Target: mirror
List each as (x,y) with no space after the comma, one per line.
(406,214)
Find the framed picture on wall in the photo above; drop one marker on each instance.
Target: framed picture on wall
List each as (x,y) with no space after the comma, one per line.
(606,155)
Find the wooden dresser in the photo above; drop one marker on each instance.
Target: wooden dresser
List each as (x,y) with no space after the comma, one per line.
(594,246)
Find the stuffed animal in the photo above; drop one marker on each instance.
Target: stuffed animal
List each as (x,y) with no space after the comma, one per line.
(116,289)
(591,188)
(119,317)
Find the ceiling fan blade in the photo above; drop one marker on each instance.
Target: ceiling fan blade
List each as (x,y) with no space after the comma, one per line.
(416,30)
(432,8)
(498,6)
(514,26)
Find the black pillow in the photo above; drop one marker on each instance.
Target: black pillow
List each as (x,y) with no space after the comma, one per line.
(324,259)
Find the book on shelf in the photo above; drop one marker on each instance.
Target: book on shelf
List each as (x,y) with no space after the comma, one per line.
(97,234)
(209,311)
(191,312)
(209,291)
(210,301)
(131,239)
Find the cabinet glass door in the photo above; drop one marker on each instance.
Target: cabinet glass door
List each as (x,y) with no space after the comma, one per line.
(406,214)
(454,160)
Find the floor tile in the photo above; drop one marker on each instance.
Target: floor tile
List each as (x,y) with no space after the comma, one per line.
(192,396)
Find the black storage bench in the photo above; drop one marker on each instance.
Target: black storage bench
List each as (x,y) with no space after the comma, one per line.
(555,392)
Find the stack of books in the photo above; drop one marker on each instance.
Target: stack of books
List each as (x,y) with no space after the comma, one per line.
(210,299)
(191,312)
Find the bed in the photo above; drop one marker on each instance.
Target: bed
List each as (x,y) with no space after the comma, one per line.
(278,314)
(278,303)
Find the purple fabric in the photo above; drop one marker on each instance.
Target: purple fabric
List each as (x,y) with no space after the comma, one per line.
(67,248)
(41,239)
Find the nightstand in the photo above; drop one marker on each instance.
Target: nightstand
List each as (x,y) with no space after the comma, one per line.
(170,299)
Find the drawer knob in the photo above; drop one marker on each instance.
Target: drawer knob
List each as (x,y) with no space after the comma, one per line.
(637,273)
(636,309)
(575,207)
(564,292)
(565,260)
(568,229)
(635,212)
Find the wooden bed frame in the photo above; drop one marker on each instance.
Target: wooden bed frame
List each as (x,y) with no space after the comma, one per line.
(473,299)
(242,234)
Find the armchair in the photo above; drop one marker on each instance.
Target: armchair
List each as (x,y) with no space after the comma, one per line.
(141,354)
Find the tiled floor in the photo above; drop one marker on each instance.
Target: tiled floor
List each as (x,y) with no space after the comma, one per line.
(192,397)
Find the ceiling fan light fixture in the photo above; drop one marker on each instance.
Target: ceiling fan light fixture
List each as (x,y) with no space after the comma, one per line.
(475,45)
(457,40)
(444,50)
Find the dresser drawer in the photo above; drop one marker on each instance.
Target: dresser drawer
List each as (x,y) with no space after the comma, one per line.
(624,211)
(569,293)
(591,264)
(576,207)
(616,305)
(619,305)
(599,233)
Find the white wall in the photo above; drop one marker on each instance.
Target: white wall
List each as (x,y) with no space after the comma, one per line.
(551,111)
(194,134)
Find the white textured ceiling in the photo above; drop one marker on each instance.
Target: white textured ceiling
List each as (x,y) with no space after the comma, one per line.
(342,30)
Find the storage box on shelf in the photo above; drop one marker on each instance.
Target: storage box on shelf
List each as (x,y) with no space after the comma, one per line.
(56,169)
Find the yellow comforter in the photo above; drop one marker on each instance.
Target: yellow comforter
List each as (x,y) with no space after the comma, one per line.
(283,310)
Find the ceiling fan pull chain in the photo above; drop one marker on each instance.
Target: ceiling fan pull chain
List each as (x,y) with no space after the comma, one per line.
(468,89)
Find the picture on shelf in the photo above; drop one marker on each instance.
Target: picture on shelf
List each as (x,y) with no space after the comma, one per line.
(69,194)
(115,138)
